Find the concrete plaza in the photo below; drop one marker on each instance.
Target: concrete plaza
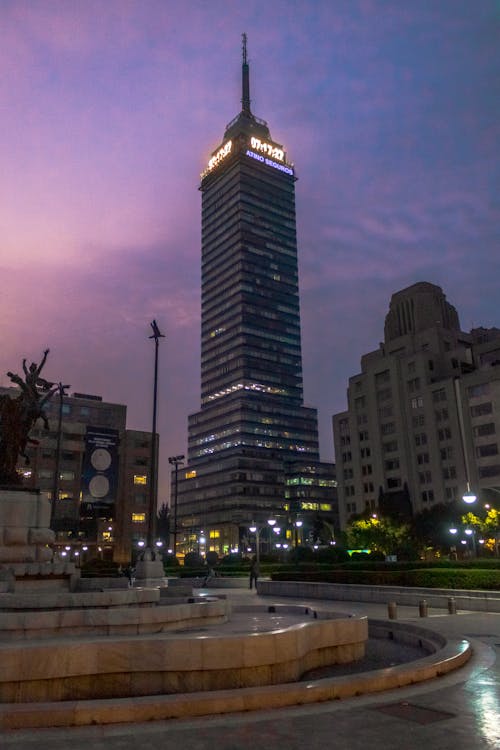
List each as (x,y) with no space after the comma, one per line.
(460,711)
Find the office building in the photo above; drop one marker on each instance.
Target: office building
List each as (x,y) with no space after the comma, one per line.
(252,423)
(98,471)
(423,414)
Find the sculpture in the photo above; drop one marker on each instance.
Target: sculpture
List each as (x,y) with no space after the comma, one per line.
(19,415)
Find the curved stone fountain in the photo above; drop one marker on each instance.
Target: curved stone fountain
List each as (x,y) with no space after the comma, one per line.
(73,658)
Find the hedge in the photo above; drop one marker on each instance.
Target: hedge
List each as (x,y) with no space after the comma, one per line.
(452,578)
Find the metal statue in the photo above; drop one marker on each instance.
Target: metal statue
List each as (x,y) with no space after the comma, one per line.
(19,415)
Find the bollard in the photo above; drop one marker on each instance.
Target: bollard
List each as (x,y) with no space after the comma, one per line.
(422,608)
(392,610)
(452,606)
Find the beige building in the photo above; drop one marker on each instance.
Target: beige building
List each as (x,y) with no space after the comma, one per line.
(423,415)
(99,472)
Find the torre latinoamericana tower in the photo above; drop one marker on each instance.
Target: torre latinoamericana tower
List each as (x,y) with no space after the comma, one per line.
(252,437)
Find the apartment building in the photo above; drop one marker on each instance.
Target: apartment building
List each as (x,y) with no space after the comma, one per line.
(423,415)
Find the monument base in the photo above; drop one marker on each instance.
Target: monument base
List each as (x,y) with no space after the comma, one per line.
(150,573)
(25,535)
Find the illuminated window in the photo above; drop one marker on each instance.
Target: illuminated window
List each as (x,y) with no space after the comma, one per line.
(65,496)
(214,534)
(140,479)
(67,476)
(190,474)
(138,517)
(325,506)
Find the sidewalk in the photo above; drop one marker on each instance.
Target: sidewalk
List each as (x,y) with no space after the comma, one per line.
(460,711)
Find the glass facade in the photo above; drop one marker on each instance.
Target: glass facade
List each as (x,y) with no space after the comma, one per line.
(252,420)
(251,364)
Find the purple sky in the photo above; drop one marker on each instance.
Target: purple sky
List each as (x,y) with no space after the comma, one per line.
(390,110)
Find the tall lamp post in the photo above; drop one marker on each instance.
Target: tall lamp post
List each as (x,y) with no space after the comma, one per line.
(254,529)
(297,525)
(149,569)
(156,335)
(55,490)
(175,461)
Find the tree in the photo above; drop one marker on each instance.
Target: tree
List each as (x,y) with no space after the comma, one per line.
(163,525)
(488,527)
(431,527)
(381,535)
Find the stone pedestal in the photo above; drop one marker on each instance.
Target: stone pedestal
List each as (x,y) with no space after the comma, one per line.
(24,539)
(149,571)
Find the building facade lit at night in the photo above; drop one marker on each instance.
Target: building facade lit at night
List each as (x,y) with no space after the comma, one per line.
(252,425)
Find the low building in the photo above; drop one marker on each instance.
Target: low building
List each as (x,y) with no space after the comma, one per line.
(97,470)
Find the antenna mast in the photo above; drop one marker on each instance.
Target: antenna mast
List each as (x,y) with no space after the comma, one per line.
(245,99)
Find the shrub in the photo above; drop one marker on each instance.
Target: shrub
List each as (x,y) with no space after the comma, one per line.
(212,558)
(193,560)
(97,568)
(446,578)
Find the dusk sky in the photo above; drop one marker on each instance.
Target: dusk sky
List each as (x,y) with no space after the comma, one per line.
(390,110)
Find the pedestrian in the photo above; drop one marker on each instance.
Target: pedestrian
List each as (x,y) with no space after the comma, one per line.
(129,572)
(254,572)
(210,574)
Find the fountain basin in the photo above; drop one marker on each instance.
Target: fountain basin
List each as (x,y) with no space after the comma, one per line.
(122,667)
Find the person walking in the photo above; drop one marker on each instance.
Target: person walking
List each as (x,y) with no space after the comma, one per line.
(254,572)
(210,574)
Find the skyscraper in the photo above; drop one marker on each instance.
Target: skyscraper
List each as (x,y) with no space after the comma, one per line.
(252,423)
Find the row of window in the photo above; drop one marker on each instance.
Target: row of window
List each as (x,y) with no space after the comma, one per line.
(417,402)
(491,449)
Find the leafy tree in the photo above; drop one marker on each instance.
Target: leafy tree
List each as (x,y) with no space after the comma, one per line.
(488,527)
(193,560)
(381,535)
(431,527)
(163,525)
(323,532)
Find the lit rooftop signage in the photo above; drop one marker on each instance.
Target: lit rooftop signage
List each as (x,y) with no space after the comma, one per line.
(268,149)
(216,159)
(269,162)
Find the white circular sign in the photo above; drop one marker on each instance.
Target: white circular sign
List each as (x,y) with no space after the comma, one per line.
(99,486)
(100,459)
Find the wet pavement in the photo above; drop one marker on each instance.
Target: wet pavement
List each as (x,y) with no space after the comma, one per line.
(460,711)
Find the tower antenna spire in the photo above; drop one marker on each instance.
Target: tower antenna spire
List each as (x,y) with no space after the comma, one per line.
(245,77)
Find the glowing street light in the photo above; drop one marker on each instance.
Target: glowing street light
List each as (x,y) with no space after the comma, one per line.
(469,497)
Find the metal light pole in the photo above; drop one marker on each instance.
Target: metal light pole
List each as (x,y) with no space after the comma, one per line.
(55,490)
(297,525)
(272,523)
(175,461)
(254,529)
(153,481)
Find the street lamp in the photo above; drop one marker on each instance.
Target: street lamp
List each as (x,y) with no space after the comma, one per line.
(472,534)
(156,335)
(272,524)
(61,389)
(297,525)
(254,529)
(469,497)
(175,461)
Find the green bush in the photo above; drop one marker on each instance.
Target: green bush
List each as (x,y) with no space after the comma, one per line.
(170,560)
(97,568)
(193,560)
(446,578)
